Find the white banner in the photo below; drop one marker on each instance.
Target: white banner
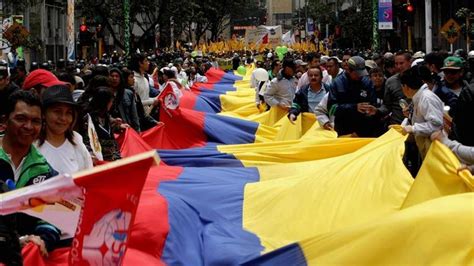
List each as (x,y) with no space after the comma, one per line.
(56,200)
(262,33)
(70,30)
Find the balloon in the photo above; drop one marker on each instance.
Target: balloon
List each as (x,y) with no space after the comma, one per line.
(260,74)
(241,70)
(280,56)
(278,49)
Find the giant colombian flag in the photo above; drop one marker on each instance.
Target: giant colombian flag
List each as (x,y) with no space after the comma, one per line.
(292,195)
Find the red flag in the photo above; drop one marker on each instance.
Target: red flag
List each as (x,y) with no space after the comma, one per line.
(169,97)
(111,195)
(105,199)
(265,39)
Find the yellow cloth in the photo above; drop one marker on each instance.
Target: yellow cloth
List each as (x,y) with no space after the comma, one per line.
(316,197)
(437,232)
(350,201)
(438,177)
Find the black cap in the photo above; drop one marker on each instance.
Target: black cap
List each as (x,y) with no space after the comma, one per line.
(45,66)
(4,71)
(57,94)
(288,62)
(61,63)
(34,66)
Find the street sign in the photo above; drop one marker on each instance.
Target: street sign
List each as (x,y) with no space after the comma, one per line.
(451,30)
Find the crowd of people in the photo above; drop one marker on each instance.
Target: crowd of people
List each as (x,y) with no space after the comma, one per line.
(60,119)
(363,96)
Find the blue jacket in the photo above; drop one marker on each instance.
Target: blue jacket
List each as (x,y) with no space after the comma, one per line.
(346,94)
(448,97)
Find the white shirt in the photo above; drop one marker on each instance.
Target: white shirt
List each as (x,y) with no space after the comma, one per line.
(427,112)
(142,87)
(67,158)
(16,170)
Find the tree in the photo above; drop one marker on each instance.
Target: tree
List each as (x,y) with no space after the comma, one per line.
(358,25)
(354,22)
(152,15)
(467,27)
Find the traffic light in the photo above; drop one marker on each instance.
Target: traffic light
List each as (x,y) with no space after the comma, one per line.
(83,28)
(85,36)
(409,13)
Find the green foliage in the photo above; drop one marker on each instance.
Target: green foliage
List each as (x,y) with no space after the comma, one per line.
(466,15)
(356,26)
(148,14)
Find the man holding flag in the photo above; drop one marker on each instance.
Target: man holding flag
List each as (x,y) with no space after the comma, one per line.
(281,90)
(22,165)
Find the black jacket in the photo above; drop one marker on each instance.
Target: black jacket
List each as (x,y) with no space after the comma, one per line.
(391,100)
(463,120)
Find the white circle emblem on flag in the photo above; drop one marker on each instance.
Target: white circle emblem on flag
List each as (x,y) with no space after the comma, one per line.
(106,243)
(171,101)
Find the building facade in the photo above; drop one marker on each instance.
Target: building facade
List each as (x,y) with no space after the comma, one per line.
(442,11)
(282,12)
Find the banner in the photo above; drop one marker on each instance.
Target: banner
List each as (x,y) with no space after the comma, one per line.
(264,34)
(385,17)
(288,38)
(94,139)
(70,30)
(310,26)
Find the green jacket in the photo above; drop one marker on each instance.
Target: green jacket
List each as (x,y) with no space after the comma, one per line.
(35,169)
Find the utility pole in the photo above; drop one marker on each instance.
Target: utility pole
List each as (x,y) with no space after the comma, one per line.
(410,45)
(269,12)
(428,26)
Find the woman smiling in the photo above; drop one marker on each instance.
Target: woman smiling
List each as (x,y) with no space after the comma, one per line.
(61,146)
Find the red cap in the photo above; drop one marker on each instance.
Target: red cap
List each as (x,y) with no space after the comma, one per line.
(41,77)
